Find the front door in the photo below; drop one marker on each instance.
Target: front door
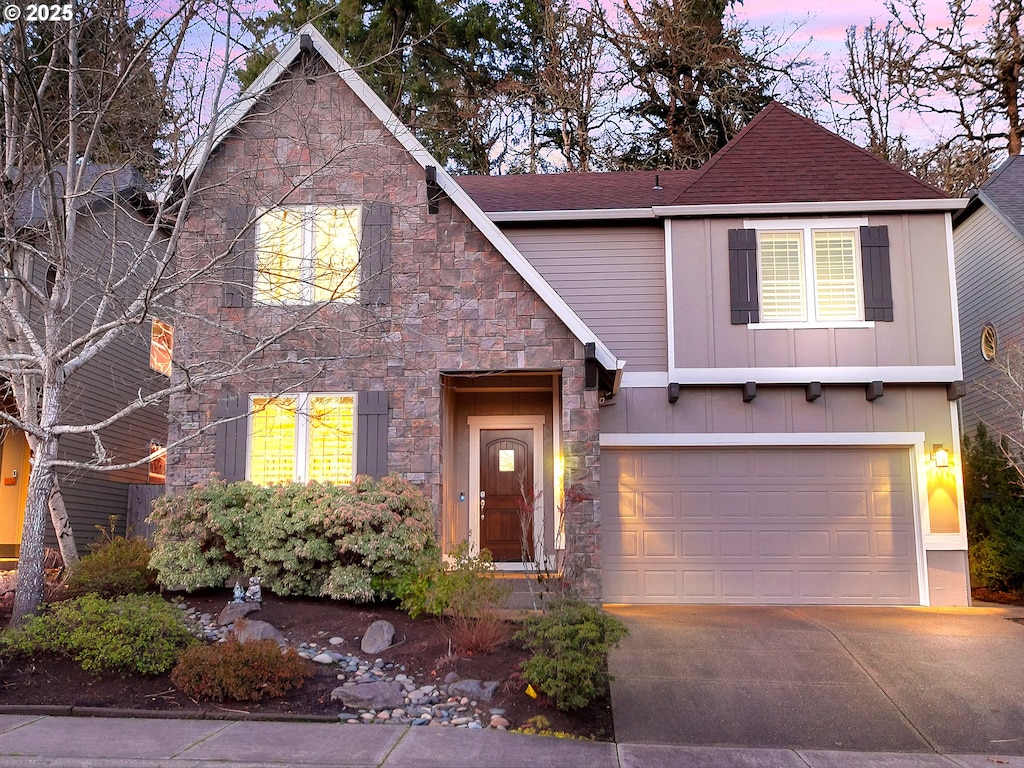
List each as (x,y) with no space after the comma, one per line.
(506,494)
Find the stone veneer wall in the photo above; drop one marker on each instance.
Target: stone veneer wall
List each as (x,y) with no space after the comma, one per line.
(455,304)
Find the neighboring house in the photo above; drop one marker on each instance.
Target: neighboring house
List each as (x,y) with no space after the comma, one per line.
(989,241)
(114,218)
(745,369)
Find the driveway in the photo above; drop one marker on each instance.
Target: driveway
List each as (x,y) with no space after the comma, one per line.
(869,679)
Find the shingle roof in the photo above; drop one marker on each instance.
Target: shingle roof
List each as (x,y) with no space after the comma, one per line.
(779,157)
(575,191)
(782,157)
(98,182)
(1004,190)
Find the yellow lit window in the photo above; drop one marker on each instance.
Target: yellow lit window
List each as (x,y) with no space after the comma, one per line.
(301,438)
(161,347)
(307,254)
(782,279)
(157,464)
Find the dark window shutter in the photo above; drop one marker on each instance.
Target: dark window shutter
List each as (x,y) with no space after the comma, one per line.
(375,256)
(743,298)
(874,257)
(372,434)
(232,437)
(240,260)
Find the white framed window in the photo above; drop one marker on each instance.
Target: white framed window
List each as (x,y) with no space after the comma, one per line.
(302,437)
(809,273)
(307,254)
(161,347)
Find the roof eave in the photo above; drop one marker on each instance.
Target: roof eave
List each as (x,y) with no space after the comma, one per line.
(588,214)
(825,207)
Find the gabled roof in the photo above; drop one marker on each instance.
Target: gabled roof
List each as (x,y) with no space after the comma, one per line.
(597,192)
(782,157)
(309,35)
(1003,192)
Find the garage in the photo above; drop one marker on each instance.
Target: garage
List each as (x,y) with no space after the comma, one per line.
(824,525)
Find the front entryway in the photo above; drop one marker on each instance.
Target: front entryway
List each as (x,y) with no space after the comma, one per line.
(506,494)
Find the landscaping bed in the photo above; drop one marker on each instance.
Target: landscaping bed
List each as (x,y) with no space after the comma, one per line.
(421,646)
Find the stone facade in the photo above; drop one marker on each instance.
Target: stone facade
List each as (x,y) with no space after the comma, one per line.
(455,303)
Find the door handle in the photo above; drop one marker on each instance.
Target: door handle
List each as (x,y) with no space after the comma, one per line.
(483,501)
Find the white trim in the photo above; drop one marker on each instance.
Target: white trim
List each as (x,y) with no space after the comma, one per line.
(912,440)
(670,299)
(233,116)
(954,300)
(890,374)
(794,224)
(846,206)
(644,379)
(583,214)
(531,422)
(558,461)
(755,439)
(796,324)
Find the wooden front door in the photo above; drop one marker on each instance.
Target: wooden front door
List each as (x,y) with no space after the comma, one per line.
(506,494)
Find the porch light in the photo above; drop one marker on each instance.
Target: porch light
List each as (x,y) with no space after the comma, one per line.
(941,456)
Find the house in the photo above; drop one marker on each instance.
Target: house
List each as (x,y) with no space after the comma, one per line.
(989,243)
(747,374)
(112,225)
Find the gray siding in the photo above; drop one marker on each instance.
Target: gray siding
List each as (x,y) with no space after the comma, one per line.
(613,277)
(990,285)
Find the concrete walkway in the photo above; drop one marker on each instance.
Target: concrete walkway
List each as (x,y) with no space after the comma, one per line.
(94,742)
(947,681)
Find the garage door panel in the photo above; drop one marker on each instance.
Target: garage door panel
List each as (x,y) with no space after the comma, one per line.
(760,525)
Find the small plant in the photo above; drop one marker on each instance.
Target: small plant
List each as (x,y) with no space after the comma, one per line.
(239,671)
(465,586)
(478,634)
(570,643)
(129,635)
(116,566)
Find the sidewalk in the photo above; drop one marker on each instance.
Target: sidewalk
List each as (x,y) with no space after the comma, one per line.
(32,741)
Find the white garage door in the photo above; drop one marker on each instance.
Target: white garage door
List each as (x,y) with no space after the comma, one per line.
(761,525)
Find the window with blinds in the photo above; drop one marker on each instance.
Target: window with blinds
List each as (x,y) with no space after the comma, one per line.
(836,282)
(782,277)
(307,254)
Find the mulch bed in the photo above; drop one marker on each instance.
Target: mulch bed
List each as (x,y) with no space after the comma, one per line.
(422,646)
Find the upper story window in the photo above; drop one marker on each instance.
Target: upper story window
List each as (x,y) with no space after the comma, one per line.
(822,273)
(302,437)
(810,275)
(307,254)
(989,342)
(161,347)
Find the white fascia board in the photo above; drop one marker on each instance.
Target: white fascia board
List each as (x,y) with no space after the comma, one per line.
(756,439)
(591,214)
(953,297)
(533,278)
(844,206)
(895,374)
(644,380)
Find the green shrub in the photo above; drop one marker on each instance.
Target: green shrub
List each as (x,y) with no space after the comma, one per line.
(129,635)
(466,586)
(345,542)
(239,671)
(570,644)
(116,566)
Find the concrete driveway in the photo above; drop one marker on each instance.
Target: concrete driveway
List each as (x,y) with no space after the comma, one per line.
(868,679)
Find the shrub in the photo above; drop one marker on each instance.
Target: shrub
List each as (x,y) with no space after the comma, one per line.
(129,635)
(345,542)
(570,643)
(239,671)
(466,586)
(116,566)
(478,634)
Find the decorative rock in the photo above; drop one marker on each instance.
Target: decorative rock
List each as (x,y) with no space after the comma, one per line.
(259,630)
(378,636)
(475,726)
(370,695)
(323,658)
(450,678)
(499,722)
(461,720)
(235,611)
(336,640)
(473,689)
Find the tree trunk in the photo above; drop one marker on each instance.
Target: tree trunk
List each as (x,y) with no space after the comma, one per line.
(29,586)
(62,526)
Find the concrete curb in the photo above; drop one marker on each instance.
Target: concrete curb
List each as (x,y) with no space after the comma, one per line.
(55,710)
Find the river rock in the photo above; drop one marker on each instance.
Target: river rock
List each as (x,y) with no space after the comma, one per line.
(258,630)
(234,611)
(378,636)
(370,695)
(472,689)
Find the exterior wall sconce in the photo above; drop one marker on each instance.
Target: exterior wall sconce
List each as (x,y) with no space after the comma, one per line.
(941,456)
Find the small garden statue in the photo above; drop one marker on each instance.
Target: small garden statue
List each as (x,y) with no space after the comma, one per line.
(237,595)
(254,594)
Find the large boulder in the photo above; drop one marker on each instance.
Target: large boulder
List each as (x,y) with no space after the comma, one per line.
(234,611)
(258,630)
(378,636)
(374,696)
(473,689)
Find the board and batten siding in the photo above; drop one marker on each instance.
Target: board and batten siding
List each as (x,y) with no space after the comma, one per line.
(990,285)
(612,277)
